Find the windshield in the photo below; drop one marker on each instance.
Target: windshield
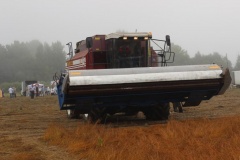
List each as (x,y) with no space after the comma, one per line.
(131,53)
(127,53)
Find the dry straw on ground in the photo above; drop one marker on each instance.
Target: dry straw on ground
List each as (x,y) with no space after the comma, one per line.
(35,129)
(188,139)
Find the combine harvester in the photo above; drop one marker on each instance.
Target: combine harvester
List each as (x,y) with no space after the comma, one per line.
(124,73)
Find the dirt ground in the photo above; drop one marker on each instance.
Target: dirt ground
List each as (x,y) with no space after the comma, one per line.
(23,122)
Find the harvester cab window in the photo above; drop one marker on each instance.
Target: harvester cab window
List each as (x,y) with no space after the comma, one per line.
(130,53)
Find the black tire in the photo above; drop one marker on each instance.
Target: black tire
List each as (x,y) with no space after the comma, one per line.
(97,115)
(165,111)
(160,112)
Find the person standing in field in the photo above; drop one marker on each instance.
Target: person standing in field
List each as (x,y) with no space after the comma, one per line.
(48,91)
(40,91)
(14,93)
(32,90)
(10,90)
(37,90)
(1,93)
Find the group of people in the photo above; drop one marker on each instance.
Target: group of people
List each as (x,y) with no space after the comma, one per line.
(36,90)
(32,90)
(51,91)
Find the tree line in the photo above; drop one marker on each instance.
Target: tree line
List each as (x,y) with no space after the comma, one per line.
(34,60)
(183,58)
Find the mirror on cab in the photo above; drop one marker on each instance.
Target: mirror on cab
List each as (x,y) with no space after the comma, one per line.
(168,40)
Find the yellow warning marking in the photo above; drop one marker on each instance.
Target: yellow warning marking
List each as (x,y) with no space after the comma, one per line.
(214,67)
(75,73)
(69,63)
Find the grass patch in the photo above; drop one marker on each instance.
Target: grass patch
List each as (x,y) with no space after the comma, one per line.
(192,139)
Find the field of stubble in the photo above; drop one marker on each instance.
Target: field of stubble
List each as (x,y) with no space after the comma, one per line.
(35,129)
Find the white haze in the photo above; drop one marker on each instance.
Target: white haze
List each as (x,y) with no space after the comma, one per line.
(206,26)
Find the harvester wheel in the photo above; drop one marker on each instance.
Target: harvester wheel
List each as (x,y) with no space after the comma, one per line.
(71,114)
(165,111)
(97,115)
(160,112)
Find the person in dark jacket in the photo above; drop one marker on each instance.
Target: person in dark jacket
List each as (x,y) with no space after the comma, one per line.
(32,90)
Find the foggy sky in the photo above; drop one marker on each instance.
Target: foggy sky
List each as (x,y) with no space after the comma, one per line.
(206,26)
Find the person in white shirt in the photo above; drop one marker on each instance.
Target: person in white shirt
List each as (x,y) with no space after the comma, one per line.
(52,91)
(48,90)
(10,90)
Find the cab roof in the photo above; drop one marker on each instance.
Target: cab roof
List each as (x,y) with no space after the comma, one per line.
(128,34)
